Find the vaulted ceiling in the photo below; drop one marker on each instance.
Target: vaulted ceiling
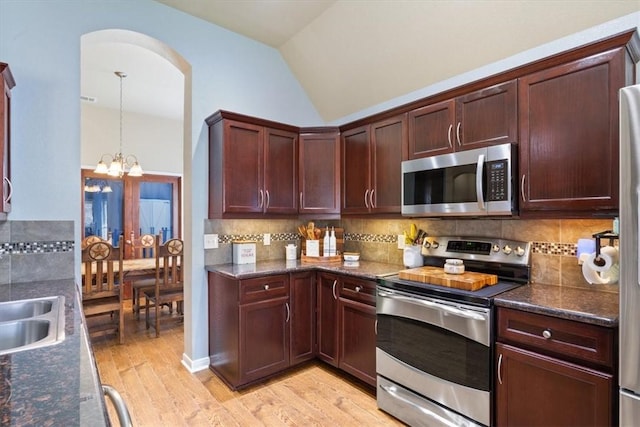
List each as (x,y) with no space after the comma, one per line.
(350,55)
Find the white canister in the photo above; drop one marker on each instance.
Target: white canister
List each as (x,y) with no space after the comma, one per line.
(244,252)
(291,252)
(454,266)
(412,256)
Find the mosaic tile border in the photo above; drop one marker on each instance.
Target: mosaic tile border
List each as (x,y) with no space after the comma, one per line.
(36,247)
(543,248)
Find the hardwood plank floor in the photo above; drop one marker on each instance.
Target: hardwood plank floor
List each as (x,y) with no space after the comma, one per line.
(159,391)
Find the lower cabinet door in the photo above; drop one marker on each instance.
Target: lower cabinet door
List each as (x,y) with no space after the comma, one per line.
(537,390)
(303,316)
(264,338)
(358,340)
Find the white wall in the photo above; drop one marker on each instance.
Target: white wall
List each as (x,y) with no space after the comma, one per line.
(156,141)
(40,39)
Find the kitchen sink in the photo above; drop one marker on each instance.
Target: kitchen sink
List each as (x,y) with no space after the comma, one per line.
(32,323)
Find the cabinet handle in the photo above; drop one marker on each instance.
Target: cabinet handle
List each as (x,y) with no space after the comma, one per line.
(524,199)
(366,198)
(500,368)
(8,181)
(267,204)
(375,327)
(333,289)
(449,135)
(546,334)
(358,288)
(300,200)
(458,133)
(261,199)
(286,304)
(266,287)
(371,199)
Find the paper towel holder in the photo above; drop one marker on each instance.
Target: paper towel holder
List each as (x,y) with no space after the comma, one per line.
(607,234)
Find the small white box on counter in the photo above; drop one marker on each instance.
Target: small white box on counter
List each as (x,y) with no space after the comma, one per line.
(244,252)
(313,248)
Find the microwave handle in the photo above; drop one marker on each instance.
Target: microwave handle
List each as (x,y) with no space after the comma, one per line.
(479,175)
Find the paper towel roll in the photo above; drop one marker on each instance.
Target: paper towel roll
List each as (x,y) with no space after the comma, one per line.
(592,276)
(608,258)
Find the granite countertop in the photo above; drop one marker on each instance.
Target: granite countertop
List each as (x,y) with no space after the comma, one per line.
(53,385)
(580,304)
(365,269)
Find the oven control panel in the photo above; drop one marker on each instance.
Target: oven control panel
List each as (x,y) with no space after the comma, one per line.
(478,248)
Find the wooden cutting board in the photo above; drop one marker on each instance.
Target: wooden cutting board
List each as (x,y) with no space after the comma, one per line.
(469,281)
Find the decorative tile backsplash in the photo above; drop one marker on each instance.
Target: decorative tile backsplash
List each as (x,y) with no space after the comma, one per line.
(33,251)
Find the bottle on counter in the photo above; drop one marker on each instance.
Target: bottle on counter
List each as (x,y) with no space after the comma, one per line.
(326,243)
(332,243)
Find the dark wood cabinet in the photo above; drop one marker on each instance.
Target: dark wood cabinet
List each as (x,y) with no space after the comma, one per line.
(303,316)
(7,83)
(552,371)
(357,328)
(249,327)
(569,135)
(371,159)
(327,307)
(253,167)
(484,117)
(319,173)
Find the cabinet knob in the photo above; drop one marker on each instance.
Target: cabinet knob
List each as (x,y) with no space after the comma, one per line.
(358,288)
(266,287)
(546,334)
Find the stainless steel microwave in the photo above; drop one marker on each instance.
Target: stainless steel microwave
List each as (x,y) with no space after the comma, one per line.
(477,182)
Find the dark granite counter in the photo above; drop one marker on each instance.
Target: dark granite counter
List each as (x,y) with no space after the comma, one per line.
(580,304)
(365,269)
(57,385)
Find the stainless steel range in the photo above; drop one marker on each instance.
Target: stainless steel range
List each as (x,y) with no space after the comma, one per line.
(435,344)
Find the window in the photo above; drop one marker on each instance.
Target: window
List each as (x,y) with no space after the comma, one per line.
(145,205)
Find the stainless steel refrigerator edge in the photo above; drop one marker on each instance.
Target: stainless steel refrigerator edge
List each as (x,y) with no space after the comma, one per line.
(629,257)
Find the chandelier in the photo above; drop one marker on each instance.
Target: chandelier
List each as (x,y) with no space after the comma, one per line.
(119,162)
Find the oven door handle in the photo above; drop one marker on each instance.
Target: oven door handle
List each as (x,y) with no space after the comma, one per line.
(442,307)
(479,176)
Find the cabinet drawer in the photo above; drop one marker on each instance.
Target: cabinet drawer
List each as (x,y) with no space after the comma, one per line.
(264,288)
(566,339)
(358,290)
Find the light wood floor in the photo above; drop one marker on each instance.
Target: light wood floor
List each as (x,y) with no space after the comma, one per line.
(159,391)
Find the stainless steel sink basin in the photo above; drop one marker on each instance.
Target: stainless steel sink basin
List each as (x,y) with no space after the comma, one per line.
(32,323)
(16,310)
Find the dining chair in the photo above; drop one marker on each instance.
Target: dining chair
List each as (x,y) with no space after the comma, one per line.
(169,283)
(140,247)
(102,291)
(91,239)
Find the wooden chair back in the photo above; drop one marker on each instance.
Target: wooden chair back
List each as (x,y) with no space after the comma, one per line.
(169,283)
(142,246)
(102,292)
(91,239)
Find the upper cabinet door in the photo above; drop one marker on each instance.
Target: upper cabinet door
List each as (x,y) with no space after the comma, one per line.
(487,117)
(319,176)
(389,149)
(356,170)
(569,135)
(431,130)
(243,163)
(281,172)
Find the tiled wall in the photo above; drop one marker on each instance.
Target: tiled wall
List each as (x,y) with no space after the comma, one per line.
(36,250)
(554,241)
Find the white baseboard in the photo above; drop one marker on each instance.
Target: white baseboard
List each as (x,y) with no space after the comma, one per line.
(195,365)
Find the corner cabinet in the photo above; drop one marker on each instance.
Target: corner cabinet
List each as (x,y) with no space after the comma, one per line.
(319,173)
(480,118)
(371,159)
(552,371)
(7,82)
(569,135)
(253,167)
